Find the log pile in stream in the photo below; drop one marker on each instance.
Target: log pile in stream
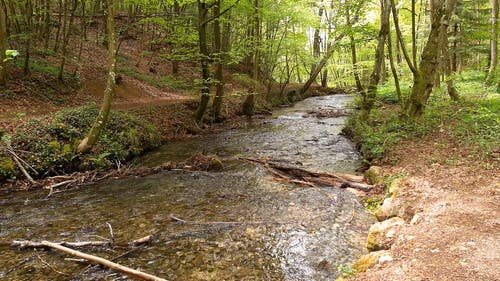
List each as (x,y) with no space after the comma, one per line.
(304,177)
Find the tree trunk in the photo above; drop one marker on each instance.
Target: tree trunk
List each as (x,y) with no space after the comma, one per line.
(175,62)
(217,103)
(317,41)
(393,68)
(249,103)
(329,52)
(66,40)
(493,41)
(204,60)
(370,93)
(88,142)
(423,81)
(3,46)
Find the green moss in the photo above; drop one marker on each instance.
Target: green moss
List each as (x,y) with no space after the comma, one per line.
(7,168)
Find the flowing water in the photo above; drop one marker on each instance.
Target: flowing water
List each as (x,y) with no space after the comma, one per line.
(286,232)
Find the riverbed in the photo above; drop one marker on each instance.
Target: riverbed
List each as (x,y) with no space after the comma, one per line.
(243,225)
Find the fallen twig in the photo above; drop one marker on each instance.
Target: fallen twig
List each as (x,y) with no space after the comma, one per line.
(51,267)
(104,262)
(176,219)
(31,244)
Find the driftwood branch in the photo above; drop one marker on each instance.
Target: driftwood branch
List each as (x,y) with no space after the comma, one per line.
(127,270)
(311,179)
(31,244)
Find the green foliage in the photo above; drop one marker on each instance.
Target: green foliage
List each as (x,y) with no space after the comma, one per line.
(473,122)
(49,144)
(10,55)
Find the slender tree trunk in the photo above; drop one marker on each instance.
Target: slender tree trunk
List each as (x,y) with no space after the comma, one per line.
(355,73)
(493,41)
(88,142)
(329,52)
(3,46)
(217,103)
(249,103)
(29,36)
(66,40)
(317,40)
(371,91)
(204,60)
(413,32)
(59,24)
(393,68)
(423,81)
(175,62)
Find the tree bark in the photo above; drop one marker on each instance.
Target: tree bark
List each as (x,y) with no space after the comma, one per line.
(493,41)
(88,142)
(423,81)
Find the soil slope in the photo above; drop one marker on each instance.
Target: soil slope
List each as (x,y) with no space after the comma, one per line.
(453,209)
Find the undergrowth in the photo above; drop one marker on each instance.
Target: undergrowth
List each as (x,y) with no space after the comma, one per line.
(472,122)
(48,144)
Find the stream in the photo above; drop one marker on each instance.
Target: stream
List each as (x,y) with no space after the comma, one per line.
(287,232)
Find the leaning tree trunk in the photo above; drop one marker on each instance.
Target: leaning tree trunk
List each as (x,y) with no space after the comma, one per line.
(493,41)
(423,81)
(67,34)
(352,42)
(371,91)
(204,60)
(3,46)
(88,142)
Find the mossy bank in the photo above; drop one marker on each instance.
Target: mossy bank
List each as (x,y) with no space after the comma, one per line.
(47,145)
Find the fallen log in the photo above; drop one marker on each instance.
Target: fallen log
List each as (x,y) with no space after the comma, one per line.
(310,178)
(115,266)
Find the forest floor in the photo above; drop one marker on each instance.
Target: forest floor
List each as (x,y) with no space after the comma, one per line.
(452,202)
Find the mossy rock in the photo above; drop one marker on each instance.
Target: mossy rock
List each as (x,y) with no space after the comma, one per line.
(368,260)
(215,164)
(382,235)
(395,186)
(389,208)
(374,175)
(7,168)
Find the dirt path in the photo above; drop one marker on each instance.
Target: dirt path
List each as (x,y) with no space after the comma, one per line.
(453,205)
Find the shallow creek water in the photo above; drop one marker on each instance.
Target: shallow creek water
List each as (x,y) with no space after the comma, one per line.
(289,232)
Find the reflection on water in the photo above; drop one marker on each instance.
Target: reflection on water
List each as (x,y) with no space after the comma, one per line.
(286,232)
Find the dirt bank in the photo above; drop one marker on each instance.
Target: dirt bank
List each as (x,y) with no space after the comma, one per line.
(451,200)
